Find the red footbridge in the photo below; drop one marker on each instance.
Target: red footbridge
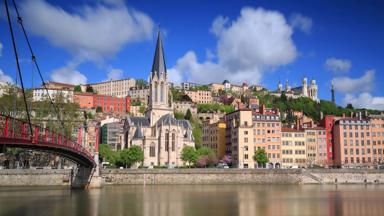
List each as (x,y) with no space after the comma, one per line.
(17,133)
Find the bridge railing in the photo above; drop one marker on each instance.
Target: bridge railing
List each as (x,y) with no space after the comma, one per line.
(18,130)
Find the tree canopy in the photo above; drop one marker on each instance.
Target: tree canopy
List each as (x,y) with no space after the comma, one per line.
(260,156)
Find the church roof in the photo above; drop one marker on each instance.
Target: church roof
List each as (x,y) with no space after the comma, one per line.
(158,65)
(138,134)
(142,121)
(169,119)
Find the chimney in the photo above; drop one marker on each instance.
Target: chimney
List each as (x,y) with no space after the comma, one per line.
(297,124)
(359,115)
(365,113)
(262,110)
(343,115)
(321,115)
(352,114)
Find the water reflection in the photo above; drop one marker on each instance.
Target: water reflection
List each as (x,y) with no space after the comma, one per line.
(193,200)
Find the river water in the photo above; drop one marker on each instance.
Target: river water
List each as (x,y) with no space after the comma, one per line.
(174,200)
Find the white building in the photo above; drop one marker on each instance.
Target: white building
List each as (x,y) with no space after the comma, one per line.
(40,94)
(116,88)
(300,91)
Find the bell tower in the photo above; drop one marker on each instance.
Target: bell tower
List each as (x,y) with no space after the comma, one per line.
(158,100)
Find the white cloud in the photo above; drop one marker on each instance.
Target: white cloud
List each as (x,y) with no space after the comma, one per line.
(350,85)
(364,100)
(337,65)
(257,41)
(92,33)
(1,49)
(4,78)
(303,23)
(69,74)
(115,74)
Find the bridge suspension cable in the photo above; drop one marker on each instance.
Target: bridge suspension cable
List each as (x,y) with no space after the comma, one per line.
(34,60)
(18,65)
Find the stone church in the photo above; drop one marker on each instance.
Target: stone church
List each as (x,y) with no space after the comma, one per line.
(300,91)
(159,134)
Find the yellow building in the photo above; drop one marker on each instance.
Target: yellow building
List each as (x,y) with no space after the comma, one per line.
(293,148)
(239,138)
(116,88)
(200,96)
(214,136)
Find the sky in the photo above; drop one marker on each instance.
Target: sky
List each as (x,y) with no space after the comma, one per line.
(253,41)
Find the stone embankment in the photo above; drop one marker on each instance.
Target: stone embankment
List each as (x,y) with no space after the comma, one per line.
(196,176)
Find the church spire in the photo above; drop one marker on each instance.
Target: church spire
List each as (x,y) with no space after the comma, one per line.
(158,65)
(333,93)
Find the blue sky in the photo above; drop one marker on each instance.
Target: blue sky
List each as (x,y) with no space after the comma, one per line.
(206,41)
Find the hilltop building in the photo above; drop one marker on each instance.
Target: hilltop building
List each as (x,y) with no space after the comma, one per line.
(158,133)
(116,88)
(310,91)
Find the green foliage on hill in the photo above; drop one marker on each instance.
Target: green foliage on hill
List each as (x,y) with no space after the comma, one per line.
(199,88)
(309,107)
(205,108)
(141,83)
(135,103)
(197,132)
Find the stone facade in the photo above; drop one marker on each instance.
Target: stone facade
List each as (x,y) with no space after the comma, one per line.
(183,106)
(158,133)
(200,96)
(115,88)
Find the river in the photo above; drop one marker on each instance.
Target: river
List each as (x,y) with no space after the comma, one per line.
(196,200)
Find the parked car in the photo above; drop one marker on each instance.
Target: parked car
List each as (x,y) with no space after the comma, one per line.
(222,165)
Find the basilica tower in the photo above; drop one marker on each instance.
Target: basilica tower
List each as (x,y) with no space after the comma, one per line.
(158,100)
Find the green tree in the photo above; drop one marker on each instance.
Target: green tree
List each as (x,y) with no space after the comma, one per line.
(197,132)
(77,88)
(140,83)
(132,155)
(142,109)
(90,115)
(189,155)
(106,154)
(260,157)
(99,109)
(188,115)
(349,106)
(89,89)
(178,115)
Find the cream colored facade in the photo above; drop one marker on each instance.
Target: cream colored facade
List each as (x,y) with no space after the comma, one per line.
(158,133)
(293,148)
(116,88)
(140,94)
(239,138)
(316,146)
(377,129)
(184,106)
(214,136)
(200,97)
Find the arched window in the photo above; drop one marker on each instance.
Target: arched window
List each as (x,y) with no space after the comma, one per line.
(155,92)
(173,140)
(152,150)
(166,140)
(162,92)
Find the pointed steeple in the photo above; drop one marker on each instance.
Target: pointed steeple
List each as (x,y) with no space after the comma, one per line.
(158,65)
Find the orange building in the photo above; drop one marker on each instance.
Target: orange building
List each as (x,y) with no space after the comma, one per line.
(353,142)
(107,103)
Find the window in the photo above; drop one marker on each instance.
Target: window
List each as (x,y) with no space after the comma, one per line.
(246,156)
(166,141)
(173,141)
(152,150)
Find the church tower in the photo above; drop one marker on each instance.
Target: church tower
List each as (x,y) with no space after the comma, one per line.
(158,100)
(304,89)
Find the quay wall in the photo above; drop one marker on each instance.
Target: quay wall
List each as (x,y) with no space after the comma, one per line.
(196,176)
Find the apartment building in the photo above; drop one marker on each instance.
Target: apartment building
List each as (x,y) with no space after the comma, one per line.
(316,146)
(108,104)
(115,88)
(267,134)
(112,134)
(239,138)
(139,94)
(293,148)
(200,96)
(377,129)
(246,132)
(353,142)
(184,106)
(214,136)
(40,94)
